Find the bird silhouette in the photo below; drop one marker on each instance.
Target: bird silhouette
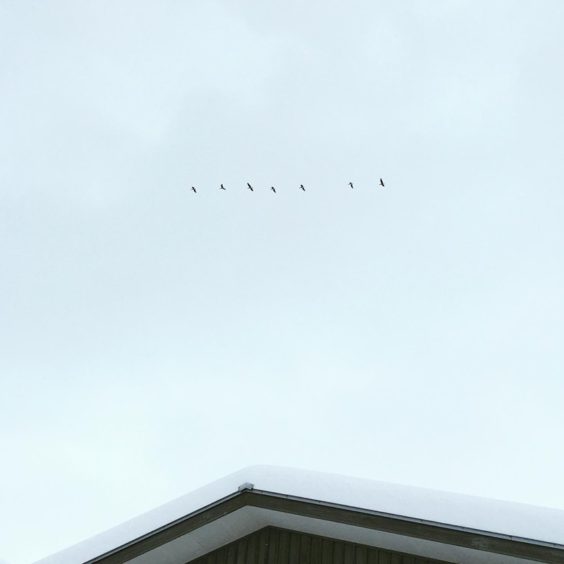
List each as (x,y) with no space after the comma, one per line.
(273,189)
(302,187)
(222,187)
(381,182)
(351,184)
(250,187)
(193,189)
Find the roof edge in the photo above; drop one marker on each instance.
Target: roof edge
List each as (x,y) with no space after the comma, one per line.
(397,524)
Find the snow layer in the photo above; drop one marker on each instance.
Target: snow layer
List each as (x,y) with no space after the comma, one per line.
(512,519)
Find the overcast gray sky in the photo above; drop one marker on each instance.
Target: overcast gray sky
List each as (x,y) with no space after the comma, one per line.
(152,340)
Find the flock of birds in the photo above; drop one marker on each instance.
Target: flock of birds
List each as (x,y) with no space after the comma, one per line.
(273,189)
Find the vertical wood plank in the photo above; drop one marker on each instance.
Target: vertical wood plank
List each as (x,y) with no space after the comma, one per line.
(373,556)
(263,547)
(360,555)
(315,557)
(348,554)
(232,553)
(384,557)
(327,552)
(222,555)
(242,551)
(273,541)
(338,552)
(305,549)
(396,558)
(252,549)
(283,548)
(294,548)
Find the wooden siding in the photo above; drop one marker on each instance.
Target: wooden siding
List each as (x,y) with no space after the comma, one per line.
(278,546)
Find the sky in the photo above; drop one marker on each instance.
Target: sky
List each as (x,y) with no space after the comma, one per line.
(153,340)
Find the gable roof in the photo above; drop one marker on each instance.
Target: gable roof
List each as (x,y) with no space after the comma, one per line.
(429,523)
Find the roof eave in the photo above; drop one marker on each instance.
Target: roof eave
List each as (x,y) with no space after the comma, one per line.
(474,539)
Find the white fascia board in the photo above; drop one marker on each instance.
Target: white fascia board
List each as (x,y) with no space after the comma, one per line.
(250,519)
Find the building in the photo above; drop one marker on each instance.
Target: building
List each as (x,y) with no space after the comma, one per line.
(270,515)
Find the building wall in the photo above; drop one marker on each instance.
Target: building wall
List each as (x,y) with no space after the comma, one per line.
(278,546)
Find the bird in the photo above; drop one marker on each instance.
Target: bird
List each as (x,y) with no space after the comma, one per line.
(222,187)
(302,187)
(381,182)
(193,189)
(273,189)
(351,184)
(250,187)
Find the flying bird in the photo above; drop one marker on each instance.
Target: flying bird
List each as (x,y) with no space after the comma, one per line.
(193,189)
(273,189)
(250,187)
(302,187)
(222,187)
(351,184)
(381,182)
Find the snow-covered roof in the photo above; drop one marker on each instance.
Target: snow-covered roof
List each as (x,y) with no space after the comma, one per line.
(527,524)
